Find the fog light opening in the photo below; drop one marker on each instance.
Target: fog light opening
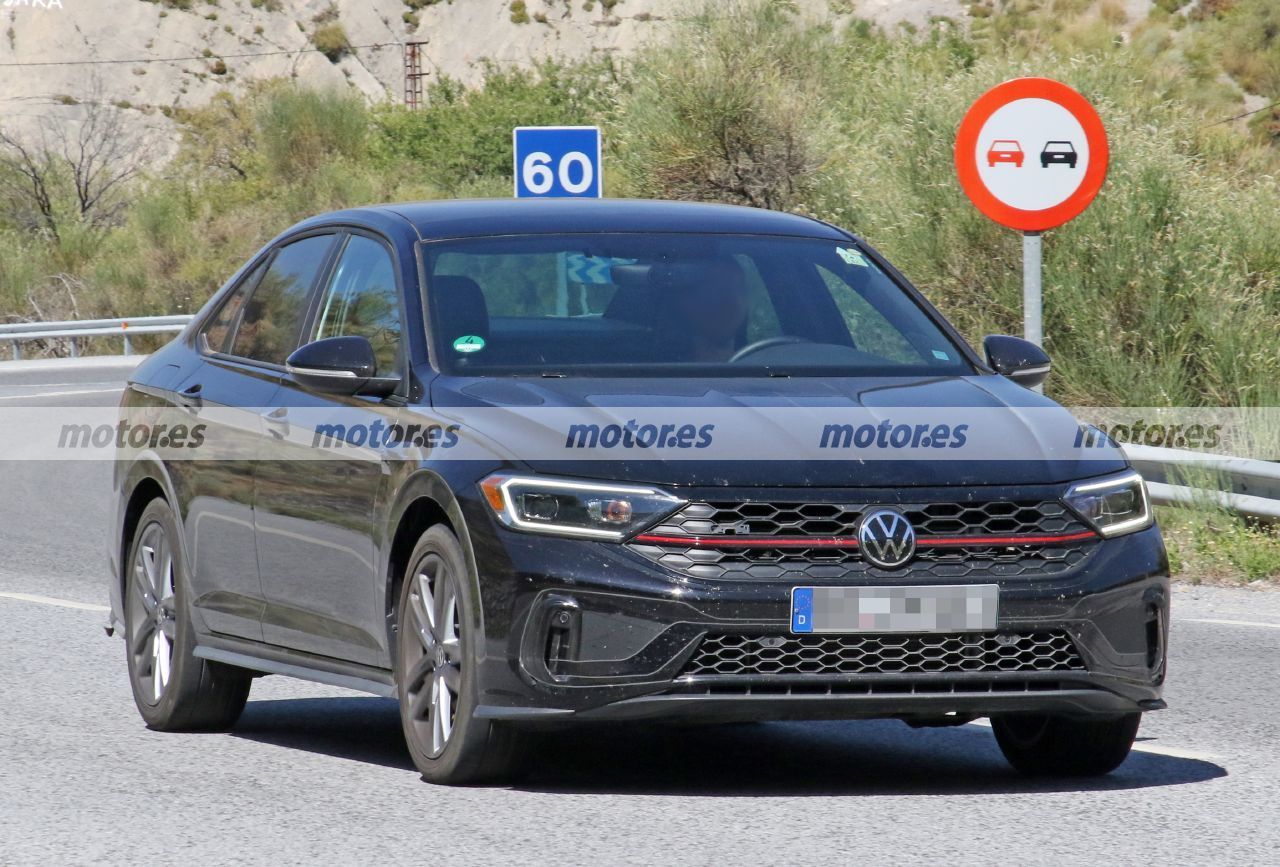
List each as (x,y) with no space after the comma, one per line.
(562,638)
(1155,638)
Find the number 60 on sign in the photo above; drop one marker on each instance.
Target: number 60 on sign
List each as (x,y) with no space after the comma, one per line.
(557,162)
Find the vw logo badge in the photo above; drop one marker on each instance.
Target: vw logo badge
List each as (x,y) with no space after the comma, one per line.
(886,538)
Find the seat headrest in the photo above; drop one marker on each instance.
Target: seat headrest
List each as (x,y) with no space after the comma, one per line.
(460,308)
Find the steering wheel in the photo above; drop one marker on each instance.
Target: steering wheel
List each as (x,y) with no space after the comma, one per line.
(766,343)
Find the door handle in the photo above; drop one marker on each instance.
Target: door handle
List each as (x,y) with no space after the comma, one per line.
(191,396)
(278,422)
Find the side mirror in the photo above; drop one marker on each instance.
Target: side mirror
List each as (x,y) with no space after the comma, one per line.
(339,365)
(1020,360)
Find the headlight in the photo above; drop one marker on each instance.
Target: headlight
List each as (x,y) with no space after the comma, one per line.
(563,507)
(1112,506)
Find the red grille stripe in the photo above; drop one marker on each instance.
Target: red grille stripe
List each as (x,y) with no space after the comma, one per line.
(984,541)
(850,542)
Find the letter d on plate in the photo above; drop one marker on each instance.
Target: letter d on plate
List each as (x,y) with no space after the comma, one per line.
(802,609)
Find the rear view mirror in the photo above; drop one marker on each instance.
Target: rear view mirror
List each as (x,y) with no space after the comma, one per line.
(339,365)
(1020,360)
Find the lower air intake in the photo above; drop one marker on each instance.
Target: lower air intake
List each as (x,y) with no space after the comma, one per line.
(885,654)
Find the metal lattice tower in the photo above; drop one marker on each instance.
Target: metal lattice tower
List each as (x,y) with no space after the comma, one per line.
(413,74)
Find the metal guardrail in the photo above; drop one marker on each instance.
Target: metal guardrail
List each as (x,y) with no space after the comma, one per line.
(1243,486)
(16,334)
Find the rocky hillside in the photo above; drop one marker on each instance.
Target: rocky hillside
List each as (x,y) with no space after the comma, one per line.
(167,54)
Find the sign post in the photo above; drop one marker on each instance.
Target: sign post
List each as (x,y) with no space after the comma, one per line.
(1032,288)
(1031,154)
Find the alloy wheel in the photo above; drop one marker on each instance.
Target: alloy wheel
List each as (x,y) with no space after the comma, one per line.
(432,654)
(153,612)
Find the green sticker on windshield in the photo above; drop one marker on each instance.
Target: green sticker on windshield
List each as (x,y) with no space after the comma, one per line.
(852,257)
(468,343)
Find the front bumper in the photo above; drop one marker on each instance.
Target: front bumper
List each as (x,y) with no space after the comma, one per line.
(584,630)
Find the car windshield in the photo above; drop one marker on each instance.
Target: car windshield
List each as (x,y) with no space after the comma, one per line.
(1059,146)
(1007,146)
(675,305)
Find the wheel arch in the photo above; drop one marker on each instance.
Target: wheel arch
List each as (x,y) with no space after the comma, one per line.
(145,481)
(426,500)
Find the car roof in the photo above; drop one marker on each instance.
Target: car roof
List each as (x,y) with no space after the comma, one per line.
(465,218)
(1004,141)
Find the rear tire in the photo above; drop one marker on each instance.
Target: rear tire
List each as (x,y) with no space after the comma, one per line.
(173,689)
(1049,745)
(437,636)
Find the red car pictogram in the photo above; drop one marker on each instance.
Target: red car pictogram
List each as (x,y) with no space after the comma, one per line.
(1005,151)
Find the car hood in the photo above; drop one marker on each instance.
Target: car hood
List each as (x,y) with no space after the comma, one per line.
(1030,426)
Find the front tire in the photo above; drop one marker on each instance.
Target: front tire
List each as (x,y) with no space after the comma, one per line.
(437,636)
(1049,745)
(173,689)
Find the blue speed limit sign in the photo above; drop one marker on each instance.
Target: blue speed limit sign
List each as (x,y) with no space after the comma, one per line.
(557,162)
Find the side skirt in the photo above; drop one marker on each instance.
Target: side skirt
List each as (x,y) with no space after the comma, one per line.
(331,672)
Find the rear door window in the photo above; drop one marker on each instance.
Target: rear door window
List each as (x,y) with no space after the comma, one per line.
(216,335)
(272,321)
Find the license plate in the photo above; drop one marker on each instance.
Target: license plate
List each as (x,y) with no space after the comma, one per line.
(947,608)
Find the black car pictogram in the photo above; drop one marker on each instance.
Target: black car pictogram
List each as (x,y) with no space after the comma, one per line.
(1058,152)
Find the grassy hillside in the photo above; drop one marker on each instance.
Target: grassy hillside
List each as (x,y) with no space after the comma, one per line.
(1165,292)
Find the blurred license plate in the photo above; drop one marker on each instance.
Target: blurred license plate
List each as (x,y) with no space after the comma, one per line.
(950,608)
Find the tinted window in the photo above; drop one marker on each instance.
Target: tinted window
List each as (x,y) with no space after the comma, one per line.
(273,317)
(362,301)
(676,305)
(217,332)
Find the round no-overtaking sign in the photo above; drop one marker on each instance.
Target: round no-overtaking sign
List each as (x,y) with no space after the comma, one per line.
(1031,154)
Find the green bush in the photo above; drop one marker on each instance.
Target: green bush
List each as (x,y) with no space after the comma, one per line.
(727,112)
(464,136)
(331,40)
(300,130)
(1248,39)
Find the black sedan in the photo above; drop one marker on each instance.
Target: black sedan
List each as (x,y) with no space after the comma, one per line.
(521,464)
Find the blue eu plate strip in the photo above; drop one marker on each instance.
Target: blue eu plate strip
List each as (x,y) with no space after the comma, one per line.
(802,609)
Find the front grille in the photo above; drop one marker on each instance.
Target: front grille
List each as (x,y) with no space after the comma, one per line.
(764,655)
(708,522)
(999,517)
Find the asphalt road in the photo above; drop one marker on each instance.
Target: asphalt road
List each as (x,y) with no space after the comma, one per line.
(318,774)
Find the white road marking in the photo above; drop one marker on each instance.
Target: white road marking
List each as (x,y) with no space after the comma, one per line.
(49,600)
(1143,747)
(60,393)
(1259,623)
(104,383)
(62,365)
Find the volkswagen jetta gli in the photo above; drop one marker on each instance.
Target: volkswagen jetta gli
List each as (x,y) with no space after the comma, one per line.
(521,464)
